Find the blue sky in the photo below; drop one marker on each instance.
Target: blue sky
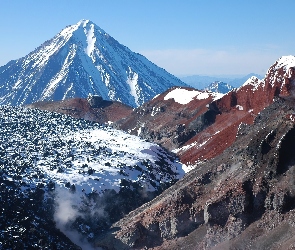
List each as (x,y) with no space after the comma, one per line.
(186,37)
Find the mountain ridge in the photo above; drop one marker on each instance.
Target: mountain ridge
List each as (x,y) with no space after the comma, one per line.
(219,87)
(201,129)
(105,112)
(202,81)
(241,199)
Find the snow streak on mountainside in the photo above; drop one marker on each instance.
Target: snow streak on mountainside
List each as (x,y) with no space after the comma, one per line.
(83,59)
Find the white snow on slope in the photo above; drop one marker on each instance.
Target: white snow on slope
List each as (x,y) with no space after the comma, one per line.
(285,62)
(252,81)
(184,96)
(132,79)
(92,157)
(59,77)
(91,39)
(123,152)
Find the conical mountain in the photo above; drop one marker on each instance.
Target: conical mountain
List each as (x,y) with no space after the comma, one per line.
(79,60)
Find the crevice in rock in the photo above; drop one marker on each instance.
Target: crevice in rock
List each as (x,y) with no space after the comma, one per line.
(286,152)
(254,207)
(288,202)
(266,144)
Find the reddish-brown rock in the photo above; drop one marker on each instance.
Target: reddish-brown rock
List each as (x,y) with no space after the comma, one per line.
(107,111)
(168,122)
(203,128)
(240,106)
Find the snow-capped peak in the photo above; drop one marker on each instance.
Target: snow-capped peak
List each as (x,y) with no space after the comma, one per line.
(252,81)
(219,87)
(83,59)
(84,22)
(285,62)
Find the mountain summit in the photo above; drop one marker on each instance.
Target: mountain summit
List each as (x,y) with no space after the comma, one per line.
(79,60)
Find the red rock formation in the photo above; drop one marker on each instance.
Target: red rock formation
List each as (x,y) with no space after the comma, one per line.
(108,111)
(240,106)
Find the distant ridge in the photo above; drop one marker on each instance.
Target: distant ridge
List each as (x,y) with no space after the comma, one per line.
(202,82)
(219,87)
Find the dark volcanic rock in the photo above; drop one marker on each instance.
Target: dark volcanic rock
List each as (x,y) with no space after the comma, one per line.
(94,101)
(64,176)
(241,199)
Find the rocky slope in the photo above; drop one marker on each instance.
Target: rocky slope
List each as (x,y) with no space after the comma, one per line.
(241,199)
(239,106)
(61,176)
(201,129)
(79,60)
(104,112)
(173,117)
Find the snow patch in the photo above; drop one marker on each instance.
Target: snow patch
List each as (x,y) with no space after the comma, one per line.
(239,107)
(253,81)
(285,62)
(132,79)
(184,96)
(156,96)
(217,96)
(155,111)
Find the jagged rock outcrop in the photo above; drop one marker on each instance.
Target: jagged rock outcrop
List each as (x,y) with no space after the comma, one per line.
(241,199)
(239,106)
(94,101)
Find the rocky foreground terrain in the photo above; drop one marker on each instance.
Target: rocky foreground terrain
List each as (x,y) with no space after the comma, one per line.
(65,180)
